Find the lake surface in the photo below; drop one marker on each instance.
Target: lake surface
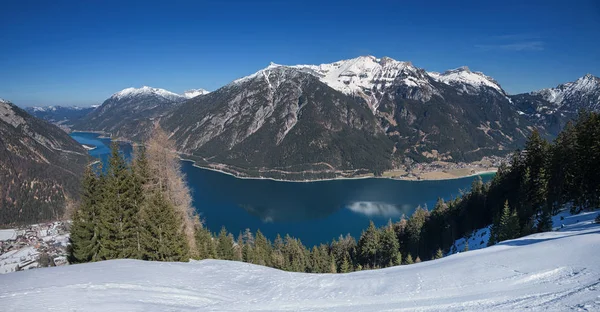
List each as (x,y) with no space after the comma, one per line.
(315,212)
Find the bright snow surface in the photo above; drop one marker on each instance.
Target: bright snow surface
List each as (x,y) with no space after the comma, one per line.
(553,271)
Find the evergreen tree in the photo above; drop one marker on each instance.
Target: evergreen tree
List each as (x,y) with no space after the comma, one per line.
(162,236)
(84,238)
(409,259)
(262,250)
(205,244)
(389,246)
(118,217)
(368,245)
(413,229)
(345,267)
(224,245)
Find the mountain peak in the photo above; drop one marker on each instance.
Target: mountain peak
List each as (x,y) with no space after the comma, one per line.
(145,90)
(464,76)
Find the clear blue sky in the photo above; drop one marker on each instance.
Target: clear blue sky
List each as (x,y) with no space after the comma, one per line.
(79,53)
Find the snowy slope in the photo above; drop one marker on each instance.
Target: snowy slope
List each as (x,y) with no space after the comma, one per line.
(553,271)
(470,82)
(194,93)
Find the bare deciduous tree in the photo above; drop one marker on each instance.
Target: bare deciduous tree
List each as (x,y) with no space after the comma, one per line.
(166,176)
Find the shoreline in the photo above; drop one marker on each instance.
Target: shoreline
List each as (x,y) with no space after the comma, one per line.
(417,178)
(194,164)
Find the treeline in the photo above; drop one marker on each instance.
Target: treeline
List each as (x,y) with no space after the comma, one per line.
(519,200)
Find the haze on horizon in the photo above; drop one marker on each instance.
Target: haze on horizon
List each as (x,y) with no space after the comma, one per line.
(74,53)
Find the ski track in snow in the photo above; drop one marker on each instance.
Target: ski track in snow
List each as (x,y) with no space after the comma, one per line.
(552,271)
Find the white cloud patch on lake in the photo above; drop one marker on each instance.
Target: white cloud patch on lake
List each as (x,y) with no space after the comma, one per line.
(377,209)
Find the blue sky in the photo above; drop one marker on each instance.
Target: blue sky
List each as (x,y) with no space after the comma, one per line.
(80,52)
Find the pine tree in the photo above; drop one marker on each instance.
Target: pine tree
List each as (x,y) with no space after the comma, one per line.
(84,236)
(368,245)
(224,245)
(389,247)
(162,236)
(409,259)
(414,226)
(262,251)
(345,267)
(118,216)
(508,226)
(205,244)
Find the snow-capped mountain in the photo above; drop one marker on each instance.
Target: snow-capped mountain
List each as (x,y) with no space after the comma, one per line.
(584,93)
(194,93)
(280,116)
(370,78)
(64,115)
(147,91)
(262,120)
(466,80)
(552,108)
(130,113)
(40,166)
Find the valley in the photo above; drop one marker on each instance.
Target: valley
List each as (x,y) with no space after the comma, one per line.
(316,211)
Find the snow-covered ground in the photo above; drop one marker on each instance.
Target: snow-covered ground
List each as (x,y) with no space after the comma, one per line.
(555,271)
(20,248)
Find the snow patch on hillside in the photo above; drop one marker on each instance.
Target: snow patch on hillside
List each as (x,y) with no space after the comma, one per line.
(479,239)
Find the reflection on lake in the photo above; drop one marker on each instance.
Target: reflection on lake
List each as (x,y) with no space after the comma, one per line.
(315,212)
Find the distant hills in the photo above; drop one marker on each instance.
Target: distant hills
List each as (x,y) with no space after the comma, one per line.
(360,115)
(40,167)
(61,115)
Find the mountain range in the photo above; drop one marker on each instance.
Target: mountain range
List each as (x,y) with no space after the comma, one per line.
(60,115)
(355,116)
(40,167)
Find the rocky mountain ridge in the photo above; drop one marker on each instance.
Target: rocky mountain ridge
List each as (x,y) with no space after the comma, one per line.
(40,167)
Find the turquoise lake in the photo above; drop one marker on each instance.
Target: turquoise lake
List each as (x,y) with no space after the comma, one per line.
(315,212)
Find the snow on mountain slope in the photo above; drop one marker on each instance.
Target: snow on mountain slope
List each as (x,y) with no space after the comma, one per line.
(369,77)
(470,81)
(582,93)
(553,271)
(194,93)
(145,90)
